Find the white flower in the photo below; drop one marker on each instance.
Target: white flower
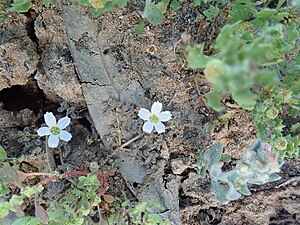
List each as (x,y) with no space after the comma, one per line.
(55,130)
(154,118)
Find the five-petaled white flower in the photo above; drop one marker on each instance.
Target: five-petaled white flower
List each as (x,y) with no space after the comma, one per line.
(55,130)
(154,118)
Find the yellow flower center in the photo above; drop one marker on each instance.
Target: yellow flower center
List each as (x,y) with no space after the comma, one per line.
(55,130)
(153,119)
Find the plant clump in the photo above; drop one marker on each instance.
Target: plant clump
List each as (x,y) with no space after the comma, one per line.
(257,165)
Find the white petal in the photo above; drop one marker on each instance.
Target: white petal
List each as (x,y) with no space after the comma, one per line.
(148,127)
(65,135)
(43,131)
(144,114)
(160,127)
(50,119)
(63,122)
(53,141)
(165,116)
(156,108)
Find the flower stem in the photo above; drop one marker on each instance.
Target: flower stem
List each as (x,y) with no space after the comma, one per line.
(49,156)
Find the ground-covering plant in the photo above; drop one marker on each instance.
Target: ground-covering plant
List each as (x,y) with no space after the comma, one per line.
(24,5)
(87,191)
(257,62)
(138,213)
(257,165)
(86,195)
(100,7)
(277,120)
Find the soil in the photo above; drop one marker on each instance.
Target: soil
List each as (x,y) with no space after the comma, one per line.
(99,72)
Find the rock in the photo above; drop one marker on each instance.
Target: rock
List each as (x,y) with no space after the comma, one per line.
(178,166)
(22,118)
(102,84)
(56,74)
(18,53)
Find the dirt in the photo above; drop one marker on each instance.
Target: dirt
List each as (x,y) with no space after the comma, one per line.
(99,72)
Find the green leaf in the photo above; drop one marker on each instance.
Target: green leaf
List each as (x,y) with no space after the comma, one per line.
(19,2)
(154,13)
(175,5)
(84,2)
(263,16)
(196,58)
(295,129)
(121,3)
(21,158)
(242,10)
(292,33)
(56,215)
(154,16)
(232,194)
(280,16)
(227,33)
(244,190)
(211,12)
(139,28)
(8,175)
(225,158)
(26,221)
(2,18)
(245,98)
(219,190)
(213,154)
(163,5)
(70,198)
(3,155)
(81,181)
(153,218)
(97,12)
(247,36)
(125,203)
(214,100)
(21,6)
(274,177)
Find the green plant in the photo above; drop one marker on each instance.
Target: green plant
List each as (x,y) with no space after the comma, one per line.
(85,192)
(276,119)
(154,12)
(100,7)
(21,6)
(257,61)
(211,12)
(258,165)
(196,3)
(243,62)
(138,213)
(85,196)
(2,12)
